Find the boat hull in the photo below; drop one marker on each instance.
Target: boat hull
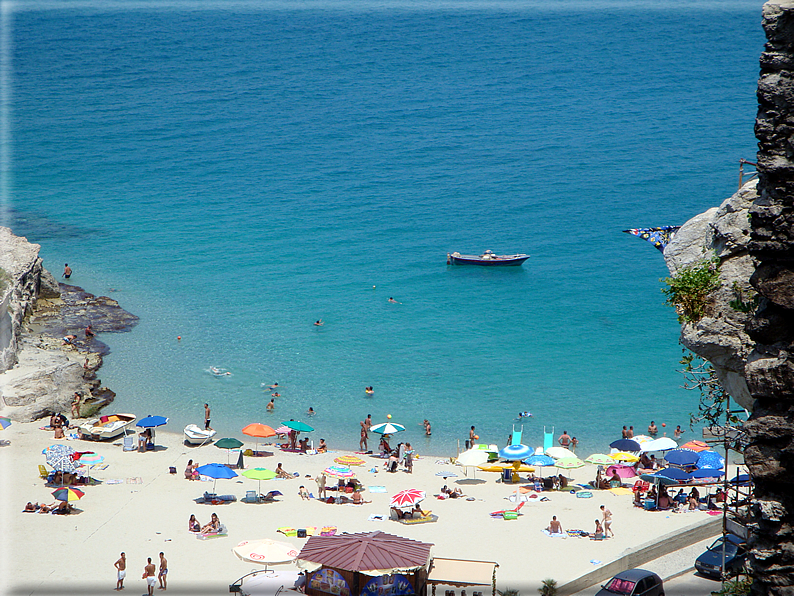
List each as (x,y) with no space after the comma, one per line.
(196,436)
(106,427)
(495,261)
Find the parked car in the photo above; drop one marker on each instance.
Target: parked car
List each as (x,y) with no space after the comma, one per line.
(710,562)
(634,582)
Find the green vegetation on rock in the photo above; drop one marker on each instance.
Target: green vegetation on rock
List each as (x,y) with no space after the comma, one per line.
(687,291)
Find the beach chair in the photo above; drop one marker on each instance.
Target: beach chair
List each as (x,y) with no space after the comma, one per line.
(250,497)
(517,435)
(129,443)
(43,473)
(548,439)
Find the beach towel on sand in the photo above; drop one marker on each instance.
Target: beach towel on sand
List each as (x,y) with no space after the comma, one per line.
(547,533)
(376,489)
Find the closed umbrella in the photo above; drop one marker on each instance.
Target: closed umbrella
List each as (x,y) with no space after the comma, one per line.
(259,474)
(228,443)
(216,471)
(260,431)
(625,445)
(387,428)
(265,551)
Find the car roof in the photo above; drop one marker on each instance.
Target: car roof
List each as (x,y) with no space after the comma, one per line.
(733,538)
(634,574)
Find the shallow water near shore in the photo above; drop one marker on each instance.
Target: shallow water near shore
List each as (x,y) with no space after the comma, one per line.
(233,173)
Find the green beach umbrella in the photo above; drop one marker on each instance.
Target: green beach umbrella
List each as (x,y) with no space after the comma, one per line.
(568,463)
(259,474)
(600,459)
(228,444)
(299,426)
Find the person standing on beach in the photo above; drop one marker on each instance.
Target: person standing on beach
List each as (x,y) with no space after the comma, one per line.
(162,576)
(362,442)
(207,417)
(565,439)
(121,571)
(320,480)
(607,522)
(472,437)
(67,271)
(76,405)
(148,575)
(368,423)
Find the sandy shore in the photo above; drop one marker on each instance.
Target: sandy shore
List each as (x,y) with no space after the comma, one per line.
(74,554)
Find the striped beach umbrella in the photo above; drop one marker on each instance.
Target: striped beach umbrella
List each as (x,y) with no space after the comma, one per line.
(407,497)
(4,422)
(387,428)
(339,472)
(600,459)
(568,463)
(68,493)
(91,458)
(349,460)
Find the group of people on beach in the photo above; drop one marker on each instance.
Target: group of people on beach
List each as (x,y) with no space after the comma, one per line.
(148,573)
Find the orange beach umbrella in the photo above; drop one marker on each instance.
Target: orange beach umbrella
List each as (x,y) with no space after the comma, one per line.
(259,430)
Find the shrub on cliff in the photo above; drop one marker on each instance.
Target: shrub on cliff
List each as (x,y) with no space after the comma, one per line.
(687,291)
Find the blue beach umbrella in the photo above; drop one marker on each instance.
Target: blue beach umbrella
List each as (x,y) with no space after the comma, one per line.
(681,457)
(152,421)
(673,474)
(515,452)
(216,471)
(625,445)
(656,479)
(539,460)
(710,460)
(706,473)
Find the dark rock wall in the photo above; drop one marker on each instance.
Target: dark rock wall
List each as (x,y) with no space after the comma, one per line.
(770,367)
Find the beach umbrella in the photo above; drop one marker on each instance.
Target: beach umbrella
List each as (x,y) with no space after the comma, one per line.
(339,472)
(446,474)
(623,456)
(472,458)
(740,479)
(706,473)
(349,460)
(259,474)
(228,443)
(60,457)
(559,452)
(681,457)
(674,473)
(568,463)
(260,431)
(600,459)
(539,460)
(516,452)
(387,428)
(152,421)
(68,493)
(625,445)
(407,498)
(216,471)
(710,460)
(91,458)
(282,430)
(642,439)
(5,422)
(265,551)
(656,479)
(695,446)
(298,426)
(661,444)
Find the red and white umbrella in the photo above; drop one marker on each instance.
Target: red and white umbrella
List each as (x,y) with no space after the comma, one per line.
(407,497)
(266,551)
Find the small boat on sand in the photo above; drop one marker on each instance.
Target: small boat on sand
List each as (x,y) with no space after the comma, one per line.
(105,427)
(487,258)
(196,435)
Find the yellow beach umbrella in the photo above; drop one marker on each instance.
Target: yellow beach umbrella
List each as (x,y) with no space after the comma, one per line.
(349,460)
(624,456)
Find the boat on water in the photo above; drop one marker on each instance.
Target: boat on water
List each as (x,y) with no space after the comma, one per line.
(196,435)
(487,258)
(106,427)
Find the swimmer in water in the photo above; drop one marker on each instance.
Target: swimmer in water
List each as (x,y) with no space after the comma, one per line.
(392,300)
(275,395)
(525,414)
(318,323)
(219,372)
(274,386)
(369,389)
(311,411)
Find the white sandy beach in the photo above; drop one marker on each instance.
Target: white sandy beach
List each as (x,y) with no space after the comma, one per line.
(74,554)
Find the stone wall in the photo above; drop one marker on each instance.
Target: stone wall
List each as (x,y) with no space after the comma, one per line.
(770,366)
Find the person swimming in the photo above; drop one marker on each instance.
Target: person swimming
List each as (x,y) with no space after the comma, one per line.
(219,372)
(311,411)
(318,323)
(369,390)
(526,414)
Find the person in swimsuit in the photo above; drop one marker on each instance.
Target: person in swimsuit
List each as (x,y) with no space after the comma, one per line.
(148,575)
(162,576)
(67,271)
(121,571)
(207,417)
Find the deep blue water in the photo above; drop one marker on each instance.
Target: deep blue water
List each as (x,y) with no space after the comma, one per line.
(231,172)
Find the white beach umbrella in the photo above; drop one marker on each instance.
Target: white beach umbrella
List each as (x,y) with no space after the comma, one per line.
(559,452)
(266,551)
(472,458)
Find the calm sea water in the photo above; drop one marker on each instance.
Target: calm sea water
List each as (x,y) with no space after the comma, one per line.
(231,172)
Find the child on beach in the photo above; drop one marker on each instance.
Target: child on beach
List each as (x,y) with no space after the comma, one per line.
(303,493)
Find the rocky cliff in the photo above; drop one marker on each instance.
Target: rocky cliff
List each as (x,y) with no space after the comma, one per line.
(39,372)
(769,372)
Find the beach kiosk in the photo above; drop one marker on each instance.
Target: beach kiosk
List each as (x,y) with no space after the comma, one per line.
(365,564)
(461,573)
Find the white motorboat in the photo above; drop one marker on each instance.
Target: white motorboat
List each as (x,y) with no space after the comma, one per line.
(197,436)
(106,427)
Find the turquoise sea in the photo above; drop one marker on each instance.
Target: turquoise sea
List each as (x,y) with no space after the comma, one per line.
(233,171)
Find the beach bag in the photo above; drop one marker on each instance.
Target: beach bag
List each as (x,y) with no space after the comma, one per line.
(301,532)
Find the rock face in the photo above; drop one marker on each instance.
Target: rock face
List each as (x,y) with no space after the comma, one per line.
(720,336)
(39,372)
(770,366)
